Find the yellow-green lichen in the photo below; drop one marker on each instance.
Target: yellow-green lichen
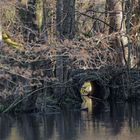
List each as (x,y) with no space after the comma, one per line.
(86,88)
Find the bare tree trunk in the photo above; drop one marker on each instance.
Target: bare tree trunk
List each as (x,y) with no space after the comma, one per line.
(59,90)
(115,15)
(39,14)
(116,20)
(40,20)
(0,34)
(69,19)
(33,15)
(0,27)
(59,17)
(66,19)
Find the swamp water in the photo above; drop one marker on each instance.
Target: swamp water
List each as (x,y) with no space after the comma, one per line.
(103,122)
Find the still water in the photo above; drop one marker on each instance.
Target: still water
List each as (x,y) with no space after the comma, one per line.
(104,122)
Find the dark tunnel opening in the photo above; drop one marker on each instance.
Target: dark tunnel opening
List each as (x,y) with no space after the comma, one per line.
(94,89)
(91,92)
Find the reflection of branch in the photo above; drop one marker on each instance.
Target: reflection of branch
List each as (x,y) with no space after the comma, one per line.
(92,17)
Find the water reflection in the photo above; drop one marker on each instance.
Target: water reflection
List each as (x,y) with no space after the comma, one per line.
(105,122)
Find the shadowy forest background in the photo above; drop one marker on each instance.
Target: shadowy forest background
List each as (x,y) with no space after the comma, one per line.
(45,42)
